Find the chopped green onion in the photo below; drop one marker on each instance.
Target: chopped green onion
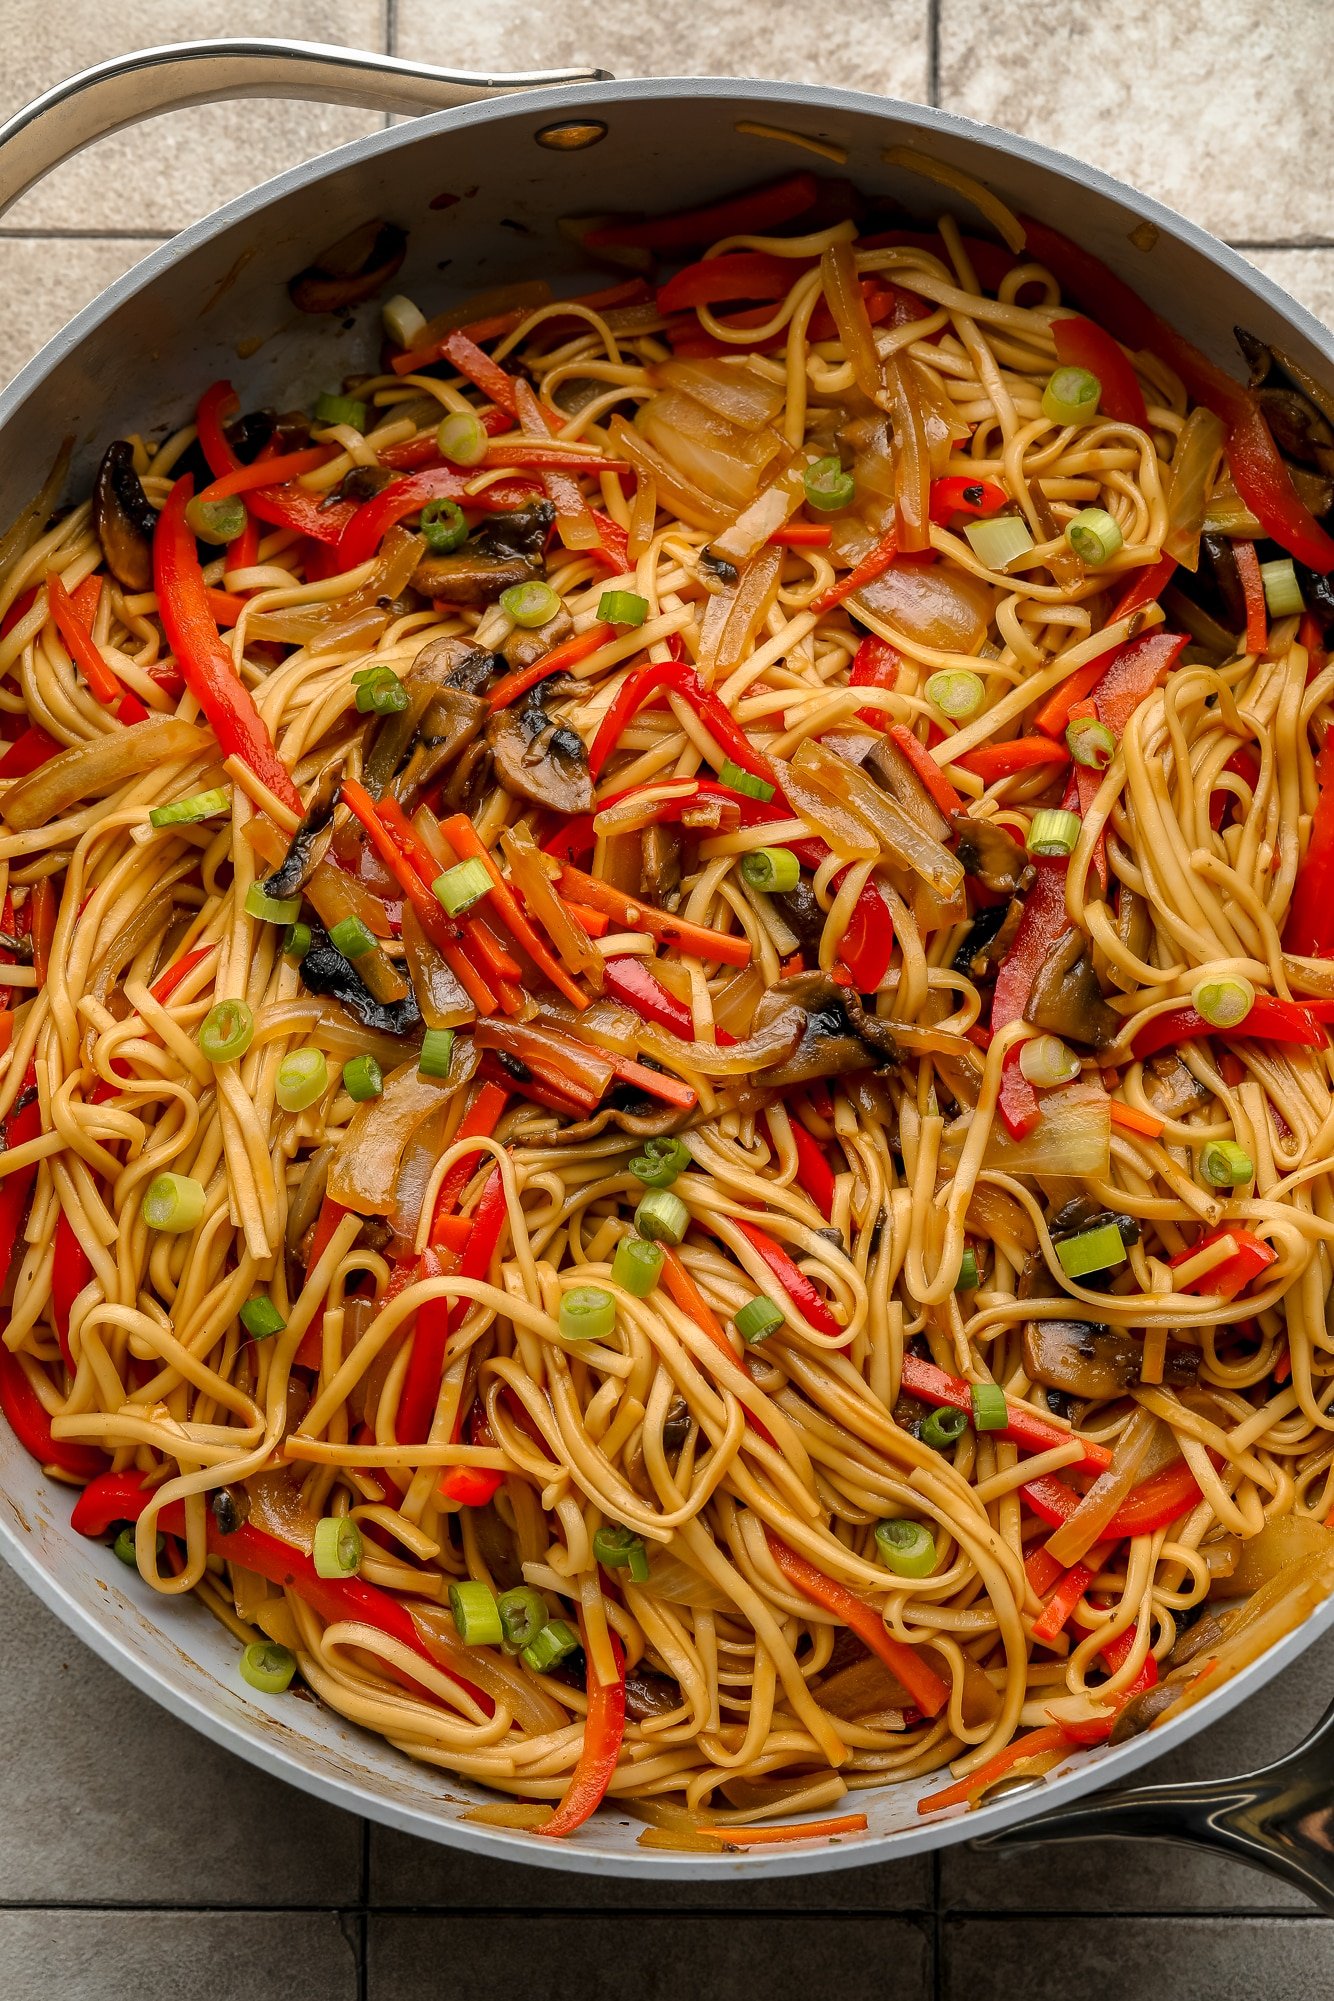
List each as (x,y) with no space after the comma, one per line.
(523,1614)
(330,409)
(476,1614)
(745,782)
(943,1428)
(998,542)
(1283,593)
(1047,1061)
(363,1078)
(227,1031)
(443,525)
(530,605)
(380,692)
(303,1079)
(199,806)
(123,1548)
(1224,1003)
(1090,743)
(352,937)
(587,1313)
(662,1217)
(772,870)
(437,1053)
(989,1408)
(260,1317)
(968,1273)
(216,521)
(1094,535)
(622,1549)
(958,694)
(661,1160)
(555,1643)
(296,942)
(622,608)
(173,1203)
(1071,396)
(827,485)
(463,885)
(271,909)
(267,1666)
(1053,831)
(338,1547)
(461,438)
(1224,1164)
(636,1265)
(758,1319)
(1092,1250)
(403,320)
(906,1548)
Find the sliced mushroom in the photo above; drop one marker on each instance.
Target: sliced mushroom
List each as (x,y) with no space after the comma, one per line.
(660,865)
(468,578)
(447,665)
(469,778)
(887,764)
(838,1037)
(989,938)
(308,843)
(641,1119)
(800,910)
(1298,429)
(124,518)
(1084,1212)
(1066,999)
(1271,363)
(1143,1711)
(540,759)
(987,852)
(520,531)
(676,1424)
(452,720)
(525,648)
(324,970)
(350,270)
(364,482)
(1093,1362)
(1172,1089)
(648,1693)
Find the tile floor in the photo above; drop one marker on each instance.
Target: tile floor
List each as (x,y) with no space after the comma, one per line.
(138,1862)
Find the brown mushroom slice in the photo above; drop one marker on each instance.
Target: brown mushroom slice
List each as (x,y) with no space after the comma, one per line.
(452,721)
(649,1694)
(660,863)
(1093,1362)
(525,647)
(124,518)
(350,270)
(989,854)
(1171,1088)
(654,1122)
(1066,999)
(468,578)
(838,1036)
(547,764)
(886,762)
(1298,429)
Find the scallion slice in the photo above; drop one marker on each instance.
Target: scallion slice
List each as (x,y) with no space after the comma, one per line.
(662,1217)
(462,886)
(738,780)
(1224,1003)
(216,521)
(523,1614)
(227,1031)
(461,438)
(380,692)
(173,1203)
(1283,593)
(352,937)
(555,1643)
(437,1052)
(828,486)
(1092,1250)
(1046,1061)
(622,608)
(1071,396)
(636,1266)
(362,1078)
(943,1428)
(403,320)
(183,812)
(906,1548)
(123,1549)
(958,694)
(659,1162)
(772,870)
(303,1079)
(989,1411)
(331,409)
(968,1273)
(271,909)
(1090,743)
(338,1547)
(531,604)
(296,942)
(444,527)
(267,1666)
(758,1319)
(1094,535)
(1053,831)
(476,1614)
(1000,541)
(261,1318)
(587,1313)
(621,1549)
(1224,1164)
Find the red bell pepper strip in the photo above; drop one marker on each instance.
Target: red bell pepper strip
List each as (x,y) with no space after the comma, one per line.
(1145,588)
(205,663)
(1242,764)
(165,985)
(604,1733)
(71,1269)
(729,948)
(567,654)
(479,1122)
(927,769)
(1258,471)
(875,664)
(459,832)
(922,1379)
(1054,714)
(749,213)
(1161,1499)
(728,280)
(470,1486)
(630,982)
(872,565)
(993,761)
(960,495)
(662,677)
(87,655)
(374,518)
(868,943)
(28,751)
(814,1174)
(1041,928)
(1269,1020)
(479,369)
(905,1663)
(1082,343)
(268,472)
(801,535)
(1134,671)
(1253,591)
(437,1320)
(1228,1279)
(1309,928)
(794,1282)
(1056,1610)
(555,457)
(27,1419)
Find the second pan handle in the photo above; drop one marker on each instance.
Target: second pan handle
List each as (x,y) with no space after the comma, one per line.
(129,88)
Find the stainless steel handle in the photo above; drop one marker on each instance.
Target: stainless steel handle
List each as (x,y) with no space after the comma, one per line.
(1279,1819)
(125,90)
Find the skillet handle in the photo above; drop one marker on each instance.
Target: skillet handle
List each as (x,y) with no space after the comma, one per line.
(1279,1819)
(121,92)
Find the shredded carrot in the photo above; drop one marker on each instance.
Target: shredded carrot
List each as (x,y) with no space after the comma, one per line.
(1132,1121)
(1050,1738)
(802,1830)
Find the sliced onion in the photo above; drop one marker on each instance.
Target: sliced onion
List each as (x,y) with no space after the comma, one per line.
(726,645)
(366,1160)
(325,1022)
(532,1710)
(1073,1137)
(900,836)
(722,459)
(772,508)
(1077,1536)
(912,464)
(673,488)
(1282,1541)
(838,277)
(528,872)
(731,389)
(93,769)
(415,1169)
(769,1046)
(734,1007)
(1198,451)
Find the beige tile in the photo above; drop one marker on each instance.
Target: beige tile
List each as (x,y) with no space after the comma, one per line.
(1225,112)
(162,175)
(876,45)
(1307,274)
(45,280)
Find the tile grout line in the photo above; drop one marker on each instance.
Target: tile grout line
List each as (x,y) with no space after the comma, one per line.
(937,1929)
(933,8)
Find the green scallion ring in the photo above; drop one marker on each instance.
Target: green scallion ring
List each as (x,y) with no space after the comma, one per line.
(662,1217)
(380,693)
(303,1079)
(907,1548)
(338,1547)
(758,1319)
(461,438)
(227,1031)
(1283,593)
(635,1267)
(437,1052)
(958,694)
(123,1549)
(216,521)
(1071,396)
(183,812)
(828,486)
(587,1313)
(555,1643)
(476,1614)
(748,783)
(1092,1250)
(1224,1164)
(1000,541)
(659,1162)
(261,1318)
(622,608)
(968,1273)
(1224,1003)
(462,886)
(267,1666)
(772,870)
(444,526)
(523,1614)
(990,1412)
(943,1428)
(362,1078)
(352,937)
(296,942)
(173,1203)
(621,1549)
(271,909)
(403,320)
(1090,743)
(530,605)
(1053,831)
(331,409)
(1047,1062)
(1094,535)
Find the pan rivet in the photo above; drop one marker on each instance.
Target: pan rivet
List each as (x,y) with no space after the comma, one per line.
(572,135)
